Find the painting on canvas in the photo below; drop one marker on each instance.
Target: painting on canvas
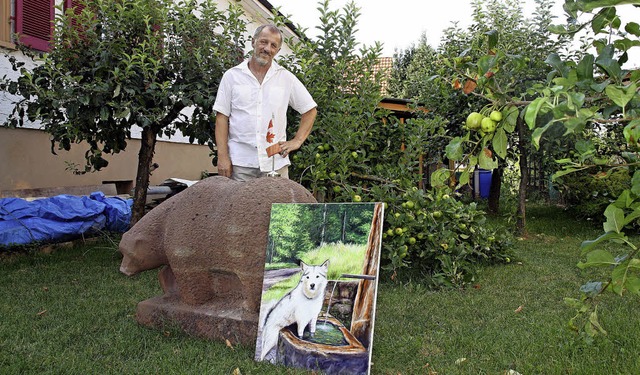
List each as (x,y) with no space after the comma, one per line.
(320,284)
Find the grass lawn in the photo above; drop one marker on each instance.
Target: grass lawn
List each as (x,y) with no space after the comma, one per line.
(72,312)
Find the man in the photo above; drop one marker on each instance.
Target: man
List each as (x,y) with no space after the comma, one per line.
(251,112)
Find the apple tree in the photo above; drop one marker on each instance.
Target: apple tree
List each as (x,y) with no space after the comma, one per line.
(154,64)
(580,95)
(581,92)
(485,70)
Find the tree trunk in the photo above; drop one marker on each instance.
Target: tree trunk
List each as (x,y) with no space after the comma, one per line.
(145,157)
(524,178)
(324,224)
(343,235)
(493,208)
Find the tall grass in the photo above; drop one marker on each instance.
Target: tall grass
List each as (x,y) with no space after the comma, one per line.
(72,312)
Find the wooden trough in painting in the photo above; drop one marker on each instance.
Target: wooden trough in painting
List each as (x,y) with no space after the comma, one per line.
(343,352)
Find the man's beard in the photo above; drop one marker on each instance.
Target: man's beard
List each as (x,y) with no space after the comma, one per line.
(262,61)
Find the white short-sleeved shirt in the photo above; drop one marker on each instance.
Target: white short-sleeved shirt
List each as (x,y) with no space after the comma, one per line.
(251,105)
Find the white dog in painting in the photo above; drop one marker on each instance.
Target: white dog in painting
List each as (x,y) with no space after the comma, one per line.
(301,306)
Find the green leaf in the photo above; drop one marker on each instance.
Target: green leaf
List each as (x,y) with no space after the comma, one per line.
(537,134)
(621,95)
(625,44)
(635,214)
(599,87)
(598,258)
(615,219)
(589,5)
(493,38)
(510,119)
(556,62)
(123,113)
(557,29)
(104,113)
(595,324)
(624,199)
(587,246)
(454,149)
(635,183)
(585,147)
(632,28)
(576,98)
(600,20)
(633,284)
(619,278)
(606,61)
(485,63)
(585,67)
(473,161)
(573,302)
(574,125)
(486,162)
(464,178)
(500,143)
(564,172)
(531,113)
(440,177)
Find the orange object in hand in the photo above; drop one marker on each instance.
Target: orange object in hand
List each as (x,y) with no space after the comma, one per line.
(273,149)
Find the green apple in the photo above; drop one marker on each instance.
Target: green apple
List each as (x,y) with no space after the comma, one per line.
(488,125)
(496,116)
(473,120)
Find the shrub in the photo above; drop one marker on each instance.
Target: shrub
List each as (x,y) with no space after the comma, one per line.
(443,238)
(588,195)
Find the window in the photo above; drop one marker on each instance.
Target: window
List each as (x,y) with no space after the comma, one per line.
(34,19)
(33,22)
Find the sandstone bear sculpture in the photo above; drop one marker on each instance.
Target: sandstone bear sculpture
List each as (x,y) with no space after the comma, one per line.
(211,239)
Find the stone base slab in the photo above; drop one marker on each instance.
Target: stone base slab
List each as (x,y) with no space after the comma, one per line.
(214,321)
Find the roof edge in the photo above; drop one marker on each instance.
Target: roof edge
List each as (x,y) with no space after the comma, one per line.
(288,24)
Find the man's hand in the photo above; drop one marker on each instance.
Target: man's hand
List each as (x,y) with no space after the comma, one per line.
(306,123)
(224,166)
(286,147)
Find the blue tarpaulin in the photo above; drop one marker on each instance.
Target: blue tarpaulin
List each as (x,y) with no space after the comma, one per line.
(61,218)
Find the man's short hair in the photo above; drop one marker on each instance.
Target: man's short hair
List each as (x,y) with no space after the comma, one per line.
(271,27)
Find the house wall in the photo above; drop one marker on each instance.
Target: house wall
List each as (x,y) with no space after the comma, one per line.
(27,162)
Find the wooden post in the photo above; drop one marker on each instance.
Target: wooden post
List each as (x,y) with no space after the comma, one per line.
(452,180)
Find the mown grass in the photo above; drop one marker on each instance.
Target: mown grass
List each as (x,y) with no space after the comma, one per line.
(72,312)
